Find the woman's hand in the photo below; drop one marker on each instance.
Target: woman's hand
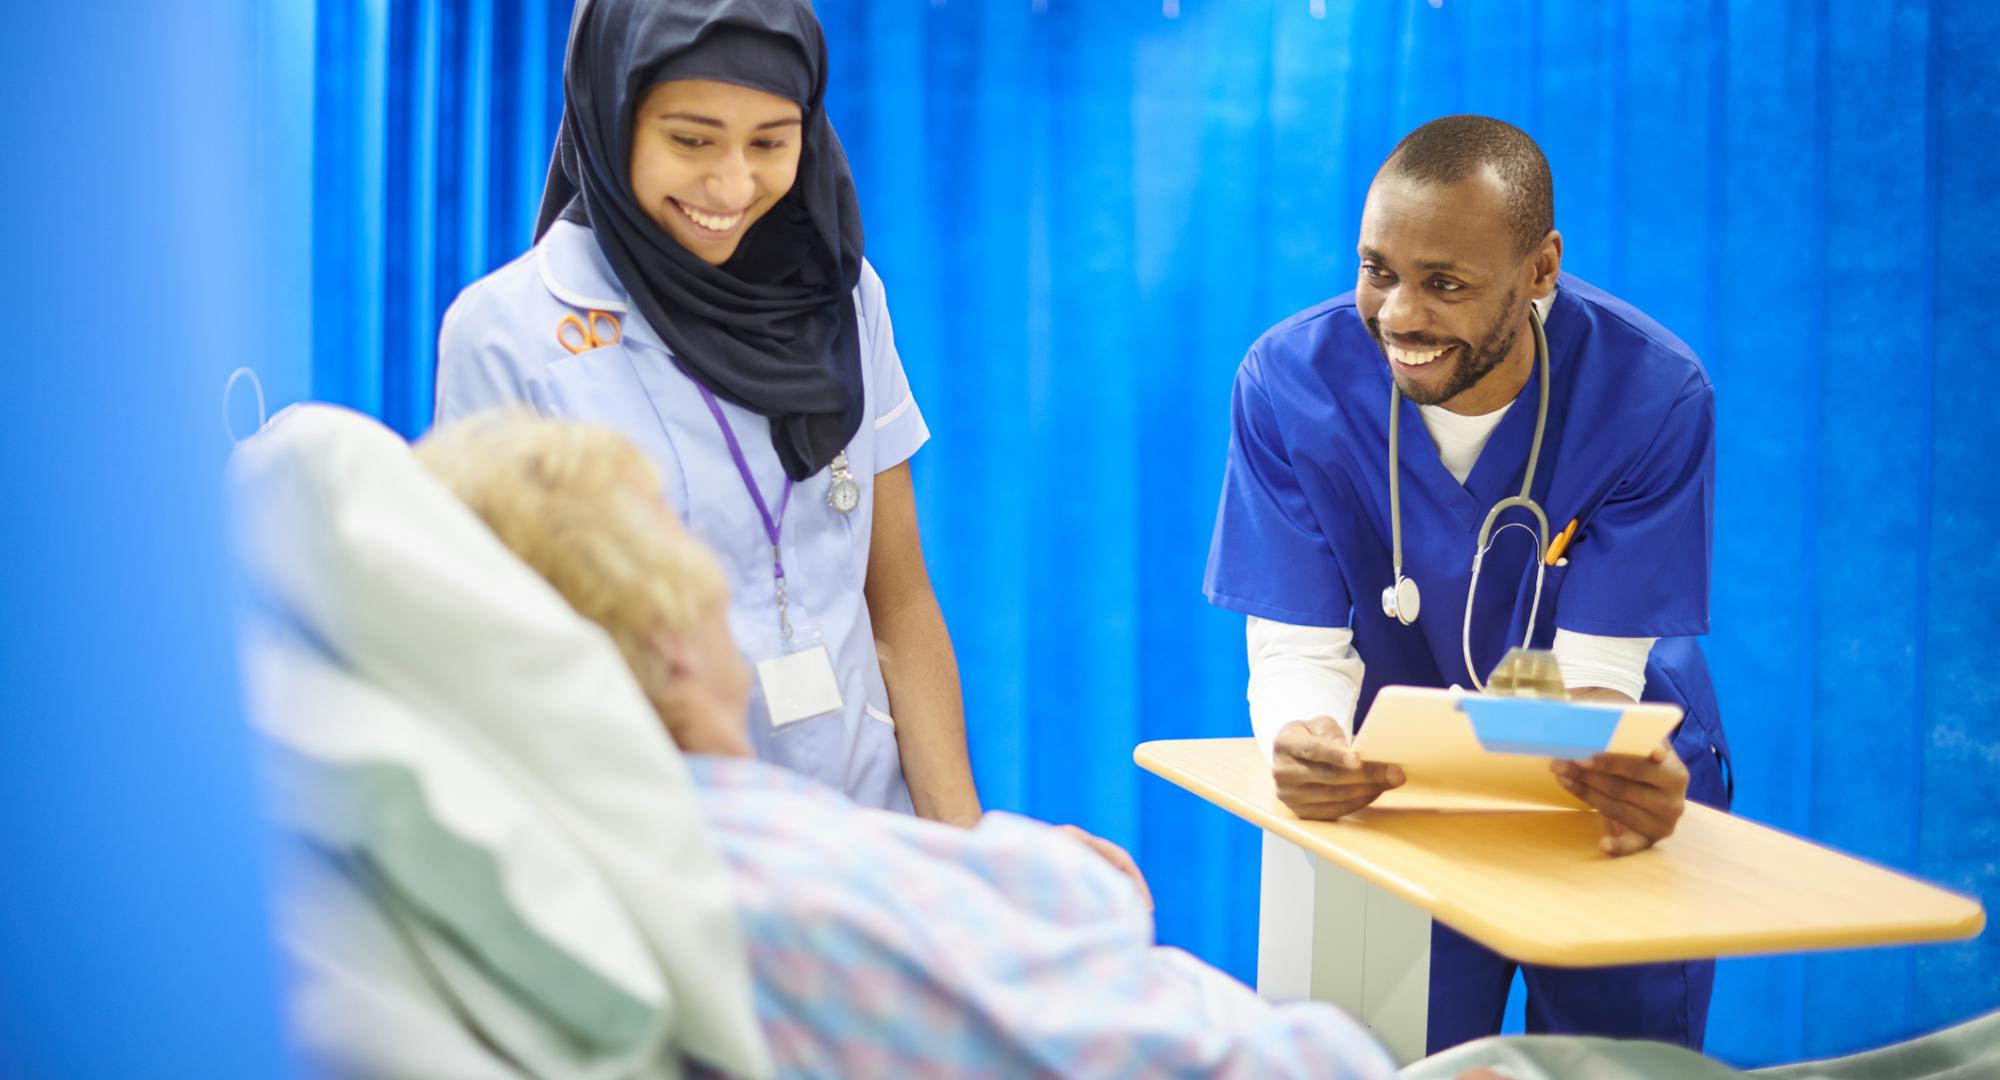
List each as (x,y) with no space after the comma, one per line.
(1113,854)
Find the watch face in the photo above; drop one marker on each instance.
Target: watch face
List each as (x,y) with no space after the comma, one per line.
(844,495)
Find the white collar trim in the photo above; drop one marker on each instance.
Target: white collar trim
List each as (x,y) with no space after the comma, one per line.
(575,249)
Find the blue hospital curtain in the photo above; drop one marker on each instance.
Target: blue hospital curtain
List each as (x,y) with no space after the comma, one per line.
(433,124)
(1085,212)
(134,934)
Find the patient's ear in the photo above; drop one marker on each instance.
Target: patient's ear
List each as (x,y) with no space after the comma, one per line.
(677,660)
(661,664)
(700,699)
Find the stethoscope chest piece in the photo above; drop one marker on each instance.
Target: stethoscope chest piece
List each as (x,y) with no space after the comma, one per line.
(1401,600)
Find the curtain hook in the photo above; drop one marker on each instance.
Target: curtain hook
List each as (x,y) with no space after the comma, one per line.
(229,388)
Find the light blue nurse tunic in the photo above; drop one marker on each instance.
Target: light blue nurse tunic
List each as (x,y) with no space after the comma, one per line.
(498,347)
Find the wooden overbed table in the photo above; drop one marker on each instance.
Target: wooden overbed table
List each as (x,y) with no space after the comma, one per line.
(1346,906)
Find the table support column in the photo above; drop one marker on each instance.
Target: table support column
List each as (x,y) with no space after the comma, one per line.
(1325,934)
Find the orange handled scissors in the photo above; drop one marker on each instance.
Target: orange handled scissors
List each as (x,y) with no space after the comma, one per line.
(586,336)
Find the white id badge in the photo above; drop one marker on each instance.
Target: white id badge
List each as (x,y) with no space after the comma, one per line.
(797,678)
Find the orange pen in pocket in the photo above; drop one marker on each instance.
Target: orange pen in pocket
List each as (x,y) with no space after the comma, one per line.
(1561,543)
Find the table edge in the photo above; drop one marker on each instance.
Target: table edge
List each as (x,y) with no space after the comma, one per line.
(1967,924)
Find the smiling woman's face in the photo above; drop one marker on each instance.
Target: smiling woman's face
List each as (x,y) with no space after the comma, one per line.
(710,158)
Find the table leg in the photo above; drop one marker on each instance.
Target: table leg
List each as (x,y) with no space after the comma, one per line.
(1325,934)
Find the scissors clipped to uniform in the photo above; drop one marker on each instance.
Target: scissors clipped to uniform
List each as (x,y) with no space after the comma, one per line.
(586,329)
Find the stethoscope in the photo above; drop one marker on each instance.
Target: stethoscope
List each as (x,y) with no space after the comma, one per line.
(1401,600)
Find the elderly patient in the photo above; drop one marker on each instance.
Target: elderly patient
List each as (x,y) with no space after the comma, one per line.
(880,945)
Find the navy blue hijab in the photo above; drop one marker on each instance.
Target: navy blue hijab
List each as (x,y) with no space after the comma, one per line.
(773,329)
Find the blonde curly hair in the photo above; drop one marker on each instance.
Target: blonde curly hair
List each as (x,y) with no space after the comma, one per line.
(582,506)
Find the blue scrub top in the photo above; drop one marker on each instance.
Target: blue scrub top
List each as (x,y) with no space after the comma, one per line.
(498,347)
(1302,535)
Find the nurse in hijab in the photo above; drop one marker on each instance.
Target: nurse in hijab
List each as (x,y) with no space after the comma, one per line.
(697,283)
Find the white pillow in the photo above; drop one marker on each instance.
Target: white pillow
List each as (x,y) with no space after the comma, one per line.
(346,536)
(454,859)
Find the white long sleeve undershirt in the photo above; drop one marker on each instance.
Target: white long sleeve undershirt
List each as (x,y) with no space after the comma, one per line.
(1299,672)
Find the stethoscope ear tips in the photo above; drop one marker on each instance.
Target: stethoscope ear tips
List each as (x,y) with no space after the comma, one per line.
(1401,600)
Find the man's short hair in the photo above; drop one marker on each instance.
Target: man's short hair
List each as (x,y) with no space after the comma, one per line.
(1451,148)
(582,507)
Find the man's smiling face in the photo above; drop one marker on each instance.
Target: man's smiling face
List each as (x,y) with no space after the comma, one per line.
(1444,289)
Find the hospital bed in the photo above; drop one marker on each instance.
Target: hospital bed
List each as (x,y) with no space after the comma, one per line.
(1968,1051)
(492,860)
(494,864)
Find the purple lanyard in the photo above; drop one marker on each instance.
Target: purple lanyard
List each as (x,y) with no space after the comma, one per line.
(773,526)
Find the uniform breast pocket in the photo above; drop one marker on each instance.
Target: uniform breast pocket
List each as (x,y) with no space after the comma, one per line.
(1552,584)
(1544,608)
(601,387)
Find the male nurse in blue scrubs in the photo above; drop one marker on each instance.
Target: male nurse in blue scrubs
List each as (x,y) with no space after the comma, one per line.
(1459,252)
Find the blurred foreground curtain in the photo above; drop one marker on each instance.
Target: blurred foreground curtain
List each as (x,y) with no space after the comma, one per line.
(134,936)
(1085,212)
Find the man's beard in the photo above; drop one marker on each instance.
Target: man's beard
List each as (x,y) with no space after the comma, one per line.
(1470,364)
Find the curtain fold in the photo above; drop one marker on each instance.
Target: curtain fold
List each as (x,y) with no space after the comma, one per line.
(433,124)
(1084,213)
